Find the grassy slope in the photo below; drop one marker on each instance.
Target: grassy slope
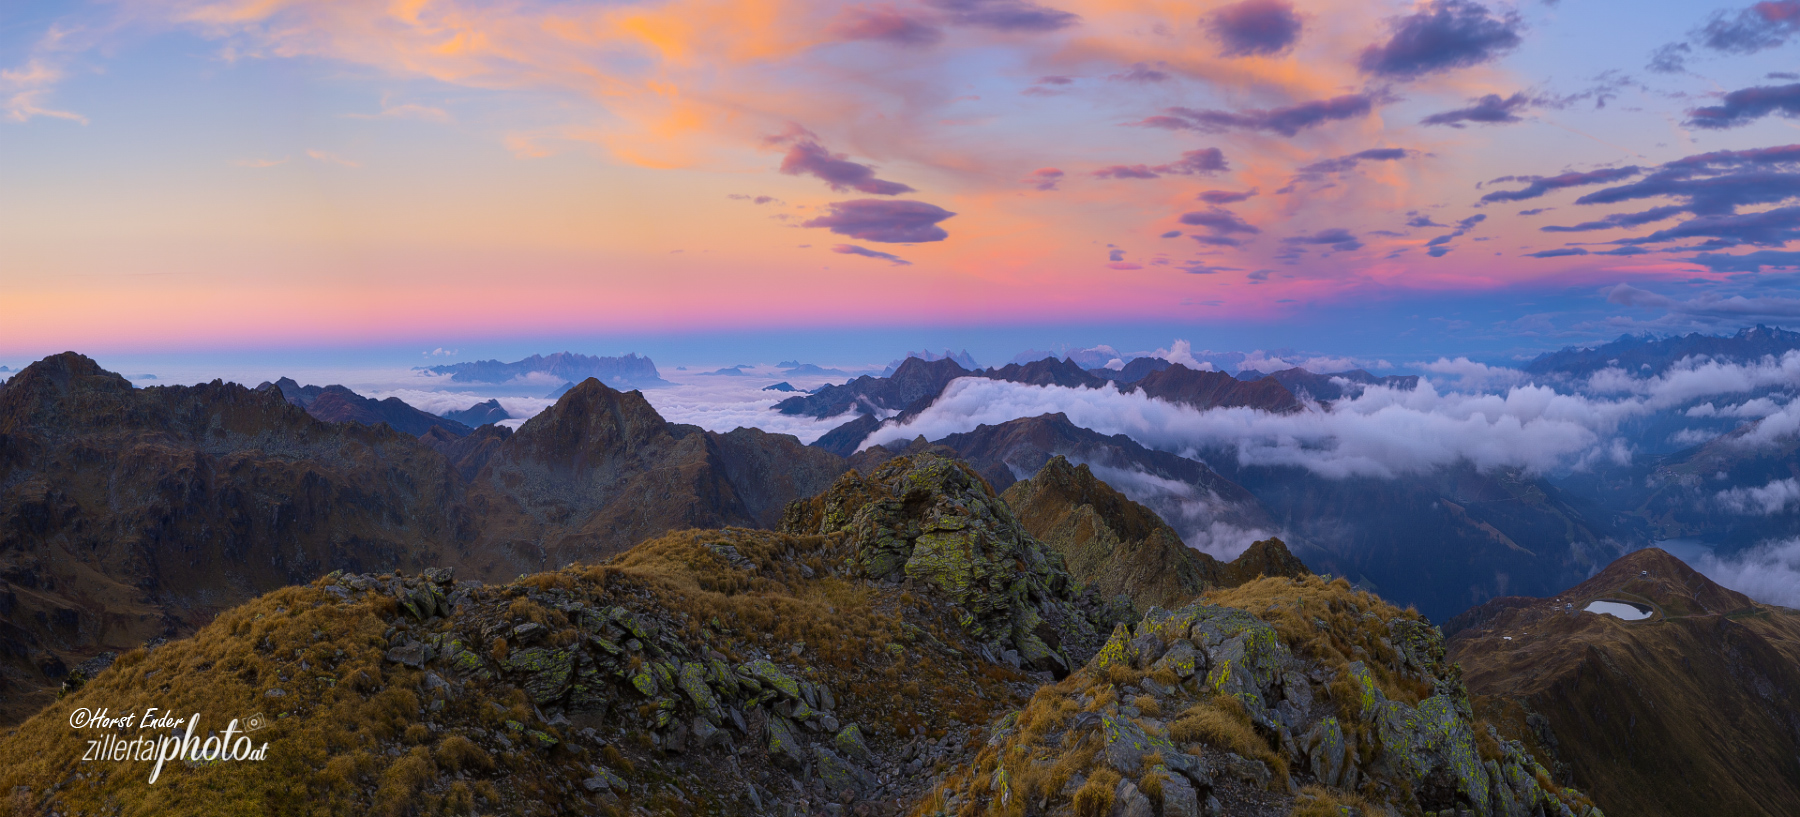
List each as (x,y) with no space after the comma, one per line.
(354,733)
(1690,712)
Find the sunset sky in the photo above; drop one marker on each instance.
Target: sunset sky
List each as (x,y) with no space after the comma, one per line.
(789,175)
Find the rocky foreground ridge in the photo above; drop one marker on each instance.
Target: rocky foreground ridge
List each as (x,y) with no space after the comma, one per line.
(894,648)
(1282,696)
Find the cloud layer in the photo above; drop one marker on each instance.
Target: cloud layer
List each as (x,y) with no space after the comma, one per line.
(1385,432)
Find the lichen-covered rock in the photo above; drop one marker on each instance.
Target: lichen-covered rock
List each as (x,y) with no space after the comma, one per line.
(1433,740)
(849,743)
(547,671)
(1117,651)
(1127,743)
(693,682)
(935,522)
(839,774)
(1270,712)
(784,749)
(765,671)
(1181,659)
(645,680)
(1328,751)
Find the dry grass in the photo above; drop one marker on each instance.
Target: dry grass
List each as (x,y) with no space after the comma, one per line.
(1222,722)
(335,721)
(1318,801)
(1095,797)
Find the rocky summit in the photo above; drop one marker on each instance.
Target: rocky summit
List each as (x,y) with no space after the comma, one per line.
(1124,548)
(933,521)
(1282,696)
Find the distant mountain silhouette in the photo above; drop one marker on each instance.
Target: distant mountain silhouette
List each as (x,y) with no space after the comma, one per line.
(1205,390)
(916,379)
(337,404)
(1133,371)
(1646,355)
(962,359)
(629,371)
(479,414)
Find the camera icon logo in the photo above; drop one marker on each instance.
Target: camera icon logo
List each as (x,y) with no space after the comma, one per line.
(255,722)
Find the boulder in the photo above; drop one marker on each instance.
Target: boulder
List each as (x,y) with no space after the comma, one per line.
(784,749)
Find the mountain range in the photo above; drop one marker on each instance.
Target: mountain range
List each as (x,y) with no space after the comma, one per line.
(629,371)
(604,611)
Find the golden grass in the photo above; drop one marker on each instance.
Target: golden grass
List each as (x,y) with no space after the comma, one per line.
(1318,801)
(1222,722)
(1095,797)
(334,724)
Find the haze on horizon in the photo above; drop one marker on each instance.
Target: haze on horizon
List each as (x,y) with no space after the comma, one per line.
(212,176)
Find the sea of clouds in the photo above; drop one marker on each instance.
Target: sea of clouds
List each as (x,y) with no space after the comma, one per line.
(1460,411)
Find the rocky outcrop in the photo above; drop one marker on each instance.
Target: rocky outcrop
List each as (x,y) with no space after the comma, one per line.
(933,522)
(1329,700)
(739,669)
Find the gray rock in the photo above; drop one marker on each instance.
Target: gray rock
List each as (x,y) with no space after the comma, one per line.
(839,774)
(706,735)
(1179,798)
(1149,647)
(410,653)
(605,779)
(1254,772)
(1182,659)
(784,748)
(1432,739)
(849,743)
(1127,743)
(1129,802)
(1327,751)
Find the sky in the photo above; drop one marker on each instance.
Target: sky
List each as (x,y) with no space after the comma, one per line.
(837,181)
